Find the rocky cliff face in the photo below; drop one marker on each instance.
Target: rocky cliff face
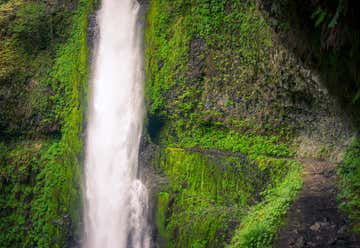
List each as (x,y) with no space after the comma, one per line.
(234,72)
(222,76)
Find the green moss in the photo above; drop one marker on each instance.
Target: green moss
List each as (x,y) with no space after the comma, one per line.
(162,210)
(197,50)
(31,25)
(206,198)
(19,165)
(207,195)
(31,35)
(349,178)
(165,41)
(252,145)
(52,200)
(57,195)
(260,226)
(205,61)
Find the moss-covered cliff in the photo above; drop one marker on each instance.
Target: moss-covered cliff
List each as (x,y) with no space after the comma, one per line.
(43,78)
(208,195)
(219,77)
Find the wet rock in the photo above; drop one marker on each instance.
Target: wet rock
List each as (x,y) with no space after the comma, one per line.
(310,244)
(300,242)
(196,59)
(342,230)
(315,227)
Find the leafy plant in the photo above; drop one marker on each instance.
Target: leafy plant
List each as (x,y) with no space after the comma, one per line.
(349,178)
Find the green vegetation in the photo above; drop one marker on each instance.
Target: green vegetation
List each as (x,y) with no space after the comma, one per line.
(57,195)
(202,61)
(161,213)
(259,227)
(327,34)
(42,200)
(205,61)
(31,33)
(19,166)
(207,196)
(31,26)
(215,80)
(349,182)
(252,145)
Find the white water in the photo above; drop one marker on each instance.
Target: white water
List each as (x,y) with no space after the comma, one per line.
(116,201)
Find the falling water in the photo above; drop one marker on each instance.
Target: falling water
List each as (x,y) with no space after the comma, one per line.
(116,201)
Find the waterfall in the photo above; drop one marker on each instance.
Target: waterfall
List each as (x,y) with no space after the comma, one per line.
(116,201)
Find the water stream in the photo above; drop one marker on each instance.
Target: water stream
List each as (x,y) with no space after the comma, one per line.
(116,202)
